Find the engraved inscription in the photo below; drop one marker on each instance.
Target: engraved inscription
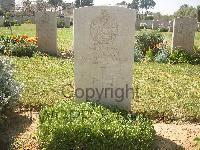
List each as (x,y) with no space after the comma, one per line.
(104,32)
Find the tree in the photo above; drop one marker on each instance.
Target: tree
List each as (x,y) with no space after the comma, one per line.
(198,13)
(27,7)
(55,3)
(147,4)
(82,3)
(135,4)
(41,5)
(186,11)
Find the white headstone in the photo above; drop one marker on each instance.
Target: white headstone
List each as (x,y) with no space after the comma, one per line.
(103,46)
(137,24)
(155,24)
(183,33)
(46,29)
(198,26)
(170,28)
(67,22)
(149,23)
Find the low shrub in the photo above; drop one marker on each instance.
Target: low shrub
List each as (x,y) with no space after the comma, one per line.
(18,45)
(163,29)
(149,57)
(162,56)
(69,125)
(197,140)
(148,40)
(9,88)
(138,55)
(60,23)
(181,56)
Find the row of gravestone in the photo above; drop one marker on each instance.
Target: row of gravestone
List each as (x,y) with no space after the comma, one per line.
(64,21)
(103,48)
(155,24)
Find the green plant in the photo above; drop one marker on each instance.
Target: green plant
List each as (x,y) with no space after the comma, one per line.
(9,88)
(22,50)
(18,45)
(181,56)
(138,55)
(148,40)
(197,140)
(69,125)
(162,56)
(163,29)
(149,57)
(60,23)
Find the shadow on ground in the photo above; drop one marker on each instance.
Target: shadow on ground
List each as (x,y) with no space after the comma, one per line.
(14,124)
(165,144)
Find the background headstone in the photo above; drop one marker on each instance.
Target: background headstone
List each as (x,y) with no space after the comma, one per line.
(170,28)
(198,26)
(155,25)
(46,29)
(67,22)
(103,45)
(137,24)
(1,21)
(148,23)
(183,33)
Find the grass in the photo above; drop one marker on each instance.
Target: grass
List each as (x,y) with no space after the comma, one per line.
(64,36)
(162,91)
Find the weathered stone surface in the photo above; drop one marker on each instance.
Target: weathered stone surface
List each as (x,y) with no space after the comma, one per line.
(184,33)
(170,28)
(137,24)
(198,26)
(46,29)
(155,24)
(67,22)
(103,45)
(148,23)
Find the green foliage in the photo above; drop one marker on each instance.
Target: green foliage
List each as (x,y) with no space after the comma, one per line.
(9,88)
(186,11)
(162,56)
(69,125)
(60,23)
(181,56)
(148,40)
(197,140)
(18,46)
(149,18)
(147,4)
(82,3)
(149,57)
(138,55)
(22,50)
(135,4)
(55,3)
(162,29)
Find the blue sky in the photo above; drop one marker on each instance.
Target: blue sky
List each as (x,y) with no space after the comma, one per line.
(163,6)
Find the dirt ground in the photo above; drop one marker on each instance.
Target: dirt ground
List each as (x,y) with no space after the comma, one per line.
(174,136)
(169,136)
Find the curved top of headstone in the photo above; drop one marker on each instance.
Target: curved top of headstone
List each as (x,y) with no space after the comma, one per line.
(104,7)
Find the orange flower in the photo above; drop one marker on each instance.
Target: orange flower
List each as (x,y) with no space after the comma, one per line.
(24,36)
